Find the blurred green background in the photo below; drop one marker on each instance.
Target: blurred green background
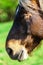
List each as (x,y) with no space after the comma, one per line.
(7,9)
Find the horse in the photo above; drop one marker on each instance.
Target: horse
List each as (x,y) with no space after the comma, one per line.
(27,29)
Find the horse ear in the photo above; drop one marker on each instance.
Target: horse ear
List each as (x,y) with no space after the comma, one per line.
(41,4)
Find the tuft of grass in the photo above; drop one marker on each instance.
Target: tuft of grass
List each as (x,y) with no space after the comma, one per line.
(35,58)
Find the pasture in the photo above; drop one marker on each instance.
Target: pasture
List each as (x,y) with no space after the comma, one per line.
(35,58)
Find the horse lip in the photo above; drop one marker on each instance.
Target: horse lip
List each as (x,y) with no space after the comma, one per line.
(20,55)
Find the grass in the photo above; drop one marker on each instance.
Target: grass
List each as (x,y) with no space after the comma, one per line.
(35,58)
(8,3)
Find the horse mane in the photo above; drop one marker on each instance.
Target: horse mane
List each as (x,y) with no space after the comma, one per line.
(28,5)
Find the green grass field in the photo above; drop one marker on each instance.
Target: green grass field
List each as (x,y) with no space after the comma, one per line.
(35,58)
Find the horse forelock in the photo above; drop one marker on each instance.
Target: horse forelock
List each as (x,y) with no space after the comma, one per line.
(28,4)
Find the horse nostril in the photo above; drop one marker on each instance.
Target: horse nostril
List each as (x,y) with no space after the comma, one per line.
(9,50)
